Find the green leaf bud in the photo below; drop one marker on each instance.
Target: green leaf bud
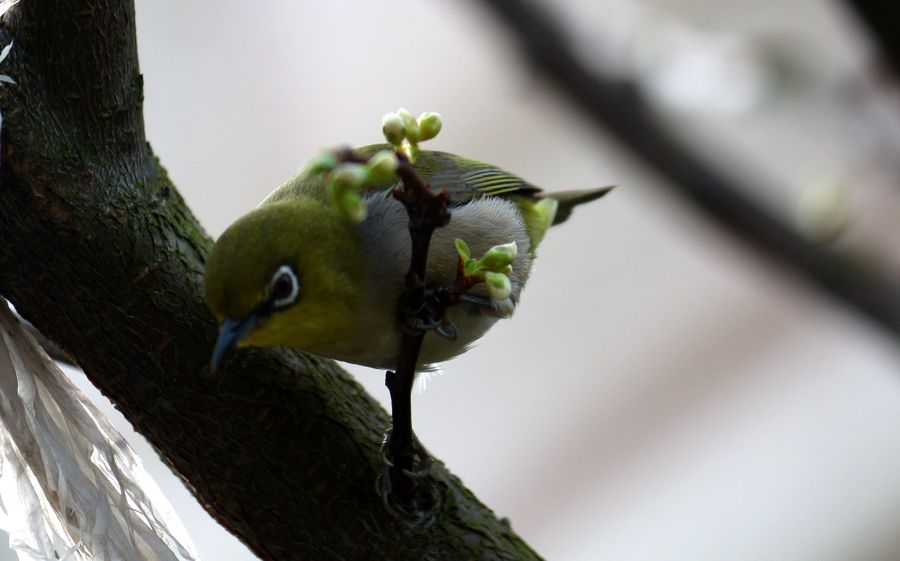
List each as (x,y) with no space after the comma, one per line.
(354,207)
(471,268)
(349,176)
(321,163)
(463,249)
(410,124)
(382,167)
(393,129)
(346,202)
(499,257)
(429,125)
(498,285)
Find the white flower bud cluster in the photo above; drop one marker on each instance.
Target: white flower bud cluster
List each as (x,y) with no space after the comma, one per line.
(346,181)
(404,131)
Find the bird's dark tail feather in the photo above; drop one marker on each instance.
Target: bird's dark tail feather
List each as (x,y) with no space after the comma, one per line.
(568,200)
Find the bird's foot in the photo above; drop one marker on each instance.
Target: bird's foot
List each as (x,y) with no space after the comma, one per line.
(447,329)
(415,454)
(480,301)
(401,480)
(434,313)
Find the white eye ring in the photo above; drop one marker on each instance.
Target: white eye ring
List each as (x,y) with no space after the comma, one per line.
(284,298)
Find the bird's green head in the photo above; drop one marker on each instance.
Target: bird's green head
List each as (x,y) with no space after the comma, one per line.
(288,273)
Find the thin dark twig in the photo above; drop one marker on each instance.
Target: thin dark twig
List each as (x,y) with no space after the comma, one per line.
(427,210)
(619,107)
(421,309)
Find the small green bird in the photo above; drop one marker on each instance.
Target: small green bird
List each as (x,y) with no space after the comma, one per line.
(293,272)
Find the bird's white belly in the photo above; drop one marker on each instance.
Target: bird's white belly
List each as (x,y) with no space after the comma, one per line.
(378,347)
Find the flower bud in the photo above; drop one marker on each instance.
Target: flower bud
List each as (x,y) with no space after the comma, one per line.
(349,176)
(321,163)
(429,125)
(353,207)
(499,257)
(346,202)
(410,125)
(393,128)
(498,285)
(823,212)
(382,167)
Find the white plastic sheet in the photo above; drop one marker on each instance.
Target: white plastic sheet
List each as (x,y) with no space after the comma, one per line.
(70,486)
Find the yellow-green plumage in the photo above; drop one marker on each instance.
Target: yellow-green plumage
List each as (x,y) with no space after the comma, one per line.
(320,246)
(350,276)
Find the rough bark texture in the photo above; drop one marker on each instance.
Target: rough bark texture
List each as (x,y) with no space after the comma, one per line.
(98,250)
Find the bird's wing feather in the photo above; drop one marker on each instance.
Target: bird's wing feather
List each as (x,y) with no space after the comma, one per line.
(467,179)
(463,178)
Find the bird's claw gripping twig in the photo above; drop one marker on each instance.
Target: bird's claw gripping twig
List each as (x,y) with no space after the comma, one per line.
(447,329)
(391,478)
(421,458)
(434,313)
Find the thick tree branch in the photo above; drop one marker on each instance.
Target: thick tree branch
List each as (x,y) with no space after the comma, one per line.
(98,250)
(619,108)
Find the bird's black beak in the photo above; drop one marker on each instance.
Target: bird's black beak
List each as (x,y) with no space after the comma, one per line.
(231,331)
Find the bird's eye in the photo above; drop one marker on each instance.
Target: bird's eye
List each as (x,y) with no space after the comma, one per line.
(284,287)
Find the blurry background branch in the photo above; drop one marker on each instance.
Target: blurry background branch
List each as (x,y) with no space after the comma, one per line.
(881,20)
(618,106)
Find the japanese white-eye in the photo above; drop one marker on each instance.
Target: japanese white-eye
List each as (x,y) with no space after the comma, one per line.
(295,272)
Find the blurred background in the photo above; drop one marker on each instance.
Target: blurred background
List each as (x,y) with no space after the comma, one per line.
(663,393)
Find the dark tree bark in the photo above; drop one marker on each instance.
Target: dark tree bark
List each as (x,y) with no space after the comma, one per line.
(100,253)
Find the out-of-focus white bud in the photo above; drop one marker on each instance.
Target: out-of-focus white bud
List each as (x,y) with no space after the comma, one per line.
(321,163)
(346,202)
(354,207)
(410,124)
(822,212)
(349,176)
(393,128)
(382,167)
